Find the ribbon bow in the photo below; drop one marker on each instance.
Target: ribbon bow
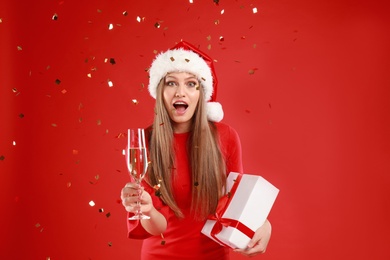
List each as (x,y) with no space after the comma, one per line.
(221,222)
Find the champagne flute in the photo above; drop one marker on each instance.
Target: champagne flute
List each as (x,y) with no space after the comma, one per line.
(137,163)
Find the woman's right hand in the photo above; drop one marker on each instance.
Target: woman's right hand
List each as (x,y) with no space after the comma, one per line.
(129,197)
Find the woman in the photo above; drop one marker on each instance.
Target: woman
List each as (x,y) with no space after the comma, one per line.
(191,154)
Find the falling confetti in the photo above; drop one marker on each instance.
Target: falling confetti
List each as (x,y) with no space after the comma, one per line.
(21,115)
(68,184)
(108,215)
(125,13)
(216,2)
(1,20)
(54,125)
(63,91)
(109,244)
(101,210)
(19,48)
(99,122)
(13,143)
(110,84)
(254,10)
(221,38)
(57,81)
(222,11)
(112,61)
(110,26)
(2,158)
(75,152)
(91,203)
(135,101)
(157,25)
(54,17)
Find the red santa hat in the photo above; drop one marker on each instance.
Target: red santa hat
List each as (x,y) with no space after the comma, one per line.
(184,57)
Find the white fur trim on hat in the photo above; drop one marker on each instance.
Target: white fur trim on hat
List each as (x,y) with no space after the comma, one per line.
(214,111)
(182,61)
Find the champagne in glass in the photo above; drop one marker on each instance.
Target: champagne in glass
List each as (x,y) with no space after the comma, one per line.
(137,163)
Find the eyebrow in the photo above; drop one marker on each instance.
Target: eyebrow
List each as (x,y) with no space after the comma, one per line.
(187,78)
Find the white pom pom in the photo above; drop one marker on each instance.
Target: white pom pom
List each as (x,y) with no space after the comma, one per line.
(214,111)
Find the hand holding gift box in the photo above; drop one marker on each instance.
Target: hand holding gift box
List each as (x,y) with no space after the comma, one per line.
(241,211)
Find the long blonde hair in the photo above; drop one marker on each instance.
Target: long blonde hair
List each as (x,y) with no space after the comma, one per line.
(206,160)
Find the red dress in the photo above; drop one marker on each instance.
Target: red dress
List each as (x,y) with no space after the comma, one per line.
(183,237)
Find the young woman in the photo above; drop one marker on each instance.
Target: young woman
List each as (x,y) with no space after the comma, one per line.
(191,153)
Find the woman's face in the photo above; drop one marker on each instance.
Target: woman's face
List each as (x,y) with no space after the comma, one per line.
(181,96)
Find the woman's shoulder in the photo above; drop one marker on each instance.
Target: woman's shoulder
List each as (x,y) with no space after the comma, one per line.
(225,130)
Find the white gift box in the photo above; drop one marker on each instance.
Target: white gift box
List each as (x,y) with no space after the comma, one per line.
(249,205)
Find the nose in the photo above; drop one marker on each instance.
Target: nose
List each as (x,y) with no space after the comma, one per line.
(180,90)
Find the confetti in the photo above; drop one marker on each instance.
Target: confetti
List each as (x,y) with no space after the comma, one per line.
(216,22)
(221,38)
(19,48)
(54,125)
(108,215)
(110,26)
(222,11)
(254,10)
(13,143)
(99,122)
(91,203)
(1,20)
(252,71)
(135,101)
(216,2)
(63,91)
(157,25)
(14,90)
(68,184)
(21,115)
(112,61)
(89,75)
(57,81)
(110,84)
(54,17)
(125,13)
(2,158)
(101,210)
(191,2)
(75,152)
(99,11)
(109,244)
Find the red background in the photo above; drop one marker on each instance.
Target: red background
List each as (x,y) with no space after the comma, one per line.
(305,84)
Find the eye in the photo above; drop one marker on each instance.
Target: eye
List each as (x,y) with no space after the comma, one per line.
(170,83)
(192,84)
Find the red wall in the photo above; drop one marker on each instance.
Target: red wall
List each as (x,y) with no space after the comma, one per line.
(313,118)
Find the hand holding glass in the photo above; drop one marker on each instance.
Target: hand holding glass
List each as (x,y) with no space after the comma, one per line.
(137,163)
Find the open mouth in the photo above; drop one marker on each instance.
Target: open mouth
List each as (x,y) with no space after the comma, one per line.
(180,106)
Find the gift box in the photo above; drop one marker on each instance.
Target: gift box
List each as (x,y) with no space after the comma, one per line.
(243,209)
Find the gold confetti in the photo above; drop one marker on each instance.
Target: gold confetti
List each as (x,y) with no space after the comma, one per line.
(221,38)
(254,10)
(63,91)
(157,25)
(110,26)
(172,59)
(216,22)
(99,11)
(13,143)
(91,203)
(109,244)
(187,60)
(14,90)
(1,20)
(138,19)
(101,210)
(99,122)
(89,75)
(54,17)
(19,48)
(54,125)
(216,2)
(125,13)
(222,11)
(135,101)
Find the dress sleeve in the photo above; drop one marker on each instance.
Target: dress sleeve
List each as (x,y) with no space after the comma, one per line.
(134,227)
(231,148)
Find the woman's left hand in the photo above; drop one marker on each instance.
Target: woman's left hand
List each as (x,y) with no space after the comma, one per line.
(259,241)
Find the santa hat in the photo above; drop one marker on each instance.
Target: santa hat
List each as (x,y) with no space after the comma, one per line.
(184,57)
